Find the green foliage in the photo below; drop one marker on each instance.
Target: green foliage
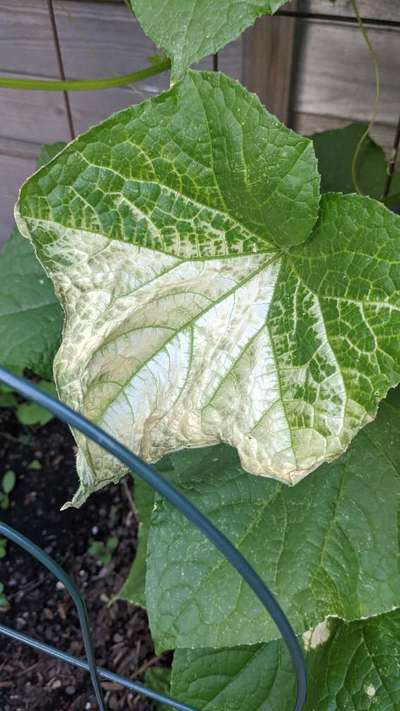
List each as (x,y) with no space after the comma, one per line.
(30,315)
(356,668)
(159,679)
(213,297)
(335,150)
(7,397)
(103,551)
(3,548)
(235,301)
(8,482)
(188,30)
(234,679)
(35,465)
(133,588)
(258,195)
(318,545)
(29,413)
(4,604)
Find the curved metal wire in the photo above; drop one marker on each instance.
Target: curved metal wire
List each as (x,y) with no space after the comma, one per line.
(171,494)
(59,573)
(102,673)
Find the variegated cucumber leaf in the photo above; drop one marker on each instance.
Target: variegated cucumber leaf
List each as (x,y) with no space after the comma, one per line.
(188,30)
(203,303)
(153,226)
(48,151)
(356,668)
(327,547)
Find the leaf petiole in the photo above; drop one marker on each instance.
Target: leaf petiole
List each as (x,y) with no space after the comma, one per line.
(84,84)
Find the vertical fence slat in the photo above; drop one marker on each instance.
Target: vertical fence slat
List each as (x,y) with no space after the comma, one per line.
(268,50)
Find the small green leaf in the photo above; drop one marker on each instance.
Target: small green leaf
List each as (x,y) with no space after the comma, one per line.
(356,668)
(4,603)
(324,547)
(112,543)
(29,413)
(8,481)
(3,547)
(188,30)
(101,551)
(96,547)
(35,464)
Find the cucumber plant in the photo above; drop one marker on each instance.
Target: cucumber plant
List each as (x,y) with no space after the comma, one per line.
(221,310)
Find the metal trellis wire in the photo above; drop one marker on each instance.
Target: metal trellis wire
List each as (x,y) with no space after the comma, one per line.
(149,474)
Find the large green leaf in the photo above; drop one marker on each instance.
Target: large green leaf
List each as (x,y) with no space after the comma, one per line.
(329,546)
(30,315)
(196,311)
(357,668)
(190,29)
(335,151)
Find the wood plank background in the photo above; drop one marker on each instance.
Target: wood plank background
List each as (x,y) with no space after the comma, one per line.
(309,65)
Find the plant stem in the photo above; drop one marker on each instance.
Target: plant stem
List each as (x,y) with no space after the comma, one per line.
(375,62)
(130,498)
(84,84)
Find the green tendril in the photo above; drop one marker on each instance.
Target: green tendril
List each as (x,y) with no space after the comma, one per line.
(84,84)
(375,62)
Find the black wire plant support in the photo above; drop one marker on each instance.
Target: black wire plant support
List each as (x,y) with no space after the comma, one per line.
(146,472)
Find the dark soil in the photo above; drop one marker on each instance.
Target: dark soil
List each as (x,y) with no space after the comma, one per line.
(41,608)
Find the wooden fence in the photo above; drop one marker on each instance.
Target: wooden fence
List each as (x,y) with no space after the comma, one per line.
(309,65)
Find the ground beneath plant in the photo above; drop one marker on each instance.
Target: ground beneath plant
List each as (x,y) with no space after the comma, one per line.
(41,608)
